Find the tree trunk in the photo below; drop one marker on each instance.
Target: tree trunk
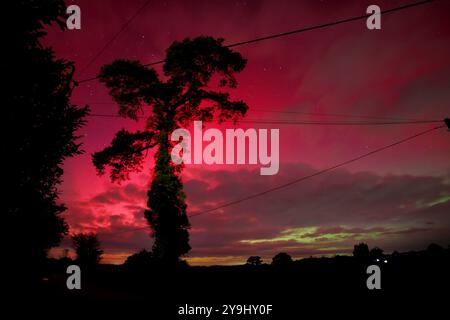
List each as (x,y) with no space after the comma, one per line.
(167,207)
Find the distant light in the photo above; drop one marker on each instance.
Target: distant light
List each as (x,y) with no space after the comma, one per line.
(377,260)
(385,261)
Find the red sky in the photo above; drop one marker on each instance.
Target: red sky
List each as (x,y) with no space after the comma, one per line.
(398,199)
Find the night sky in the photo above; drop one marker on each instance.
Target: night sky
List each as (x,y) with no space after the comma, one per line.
(398,199)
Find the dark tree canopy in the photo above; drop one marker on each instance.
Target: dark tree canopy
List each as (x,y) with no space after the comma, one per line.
(361,251)
(281,259)
(141,260)
(125,154)
(40,128)
(182,95)
(87,248)
(376,253)
(254,261)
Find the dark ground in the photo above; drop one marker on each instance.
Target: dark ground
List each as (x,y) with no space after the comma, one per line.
(329,287)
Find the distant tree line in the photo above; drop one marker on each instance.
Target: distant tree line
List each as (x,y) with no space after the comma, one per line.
(361,254)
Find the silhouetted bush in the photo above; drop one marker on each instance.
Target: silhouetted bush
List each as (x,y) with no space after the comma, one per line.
(435,249)
(140,261)
(376,253)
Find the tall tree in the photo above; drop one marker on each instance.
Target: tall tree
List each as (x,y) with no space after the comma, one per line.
(183,95)
(361,251)
(87,248)
(39,126)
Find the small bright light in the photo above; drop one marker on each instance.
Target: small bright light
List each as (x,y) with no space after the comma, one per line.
(385,261)
(377,260)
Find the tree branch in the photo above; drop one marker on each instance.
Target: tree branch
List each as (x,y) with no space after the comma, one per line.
(124,155)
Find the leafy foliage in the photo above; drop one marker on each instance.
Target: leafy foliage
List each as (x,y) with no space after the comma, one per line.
(254,261)
(376,253)
(87,248)
(281,259)
(40,127)
(141,260)
(182,96)
(361,251)
(125,154)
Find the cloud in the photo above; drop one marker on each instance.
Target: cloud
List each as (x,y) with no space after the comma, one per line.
(323,215)
(402,71)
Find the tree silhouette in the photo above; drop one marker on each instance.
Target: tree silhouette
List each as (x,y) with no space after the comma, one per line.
(87,248)
(281,259)
(361,251)
(254,261)
(183,96)
(39,124)
(141,260)
(376,253)
(435,251)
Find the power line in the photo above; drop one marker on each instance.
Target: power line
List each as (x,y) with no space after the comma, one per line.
(316,173)
(304,122)
(330,24)
(341,123)
(301,179)
(319,114)
(122,29)
(284,34)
